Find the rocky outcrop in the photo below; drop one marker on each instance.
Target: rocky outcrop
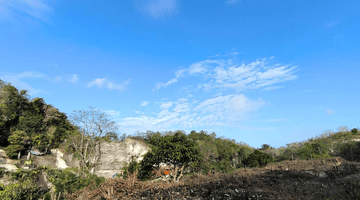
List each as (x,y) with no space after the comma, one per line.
(6,163)
(115,155)
(60,162)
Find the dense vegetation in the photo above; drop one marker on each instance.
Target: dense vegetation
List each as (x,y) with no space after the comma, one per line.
(27,123)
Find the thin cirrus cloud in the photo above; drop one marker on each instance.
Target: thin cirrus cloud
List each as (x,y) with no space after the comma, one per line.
(73,79)
(103,82)
(329,111)
(226,110)
(144,103)
(227,74)
(157,8)
(25,10)
(231,2)
(331,24)
(19,80)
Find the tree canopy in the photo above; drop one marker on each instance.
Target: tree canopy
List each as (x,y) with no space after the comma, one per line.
(26,123)
(174,150)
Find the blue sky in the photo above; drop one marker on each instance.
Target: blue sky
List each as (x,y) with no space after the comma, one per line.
(257,71)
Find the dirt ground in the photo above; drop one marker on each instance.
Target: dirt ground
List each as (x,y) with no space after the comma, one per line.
(332,178)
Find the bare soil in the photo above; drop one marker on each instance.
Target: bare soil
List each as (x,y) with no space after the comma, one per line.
(332,178)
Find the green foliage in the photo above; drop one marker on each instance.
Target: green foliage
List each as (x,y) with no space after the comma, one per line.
(313,150)
(21,191)
(258,159)
(219,154)
(130,168)
(265,147)
(354,130)
(349,151)
(18,140)
(174,150)
(66,181)
(2,172)
(26,123)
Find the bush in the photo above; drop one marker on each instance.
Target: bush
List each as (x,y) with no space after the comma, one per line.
(350,151)
(354,130)
(2,172)
(21,191)
(66,181)
(130,168)
(258,159)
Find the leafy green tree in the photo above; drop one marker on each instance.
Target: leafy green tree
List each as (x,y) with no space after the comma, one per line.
(354,130)
(12,102)
(265,147)
(258,159)
(18,140)
(174,150)
(44,125)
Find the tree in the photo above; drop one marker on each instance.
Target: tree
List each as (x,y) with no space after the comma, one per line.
(342,129)
(265,147)
(18,140)
(173,150)
(92,126)
(258,159)
(354,130)
(12,103)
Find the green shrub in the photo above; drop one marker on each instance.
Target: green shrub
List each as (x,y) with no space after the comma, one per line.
(21,191)
(258,159)
(67,182)
(2,171)
(130,168)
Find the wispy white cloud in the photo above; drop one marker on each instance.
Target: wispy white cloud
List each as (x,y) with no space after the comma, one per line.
(25,10)
(99,82)
(103,82)
(331,24)
(73,78)
(228,110)
(329,111)
(231,2)
(163,85)
(276,120)
(17,80)
(227,74)
(112,113)
(157,8)
(144,103)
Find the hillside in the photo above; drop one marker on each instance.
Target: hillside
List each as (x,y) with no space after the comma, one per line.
(46,155)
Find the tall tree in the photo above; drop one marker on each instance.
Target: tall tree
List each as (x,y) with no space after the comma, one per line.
(92,126)
(174,150)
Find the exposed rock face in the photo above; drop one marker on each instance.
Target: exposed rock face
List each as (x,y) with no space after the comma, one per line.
(115,155)
(60,162)
(6,163)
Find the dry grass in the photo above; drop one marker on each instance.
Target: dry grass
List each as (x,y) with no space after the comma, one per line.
(286,180)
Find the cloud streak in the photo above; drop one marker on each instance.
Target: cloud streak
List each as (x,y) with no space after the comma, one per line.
(18,80)
(103,82)
(227,74)
(157,8)
(25,10)
(228,110)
